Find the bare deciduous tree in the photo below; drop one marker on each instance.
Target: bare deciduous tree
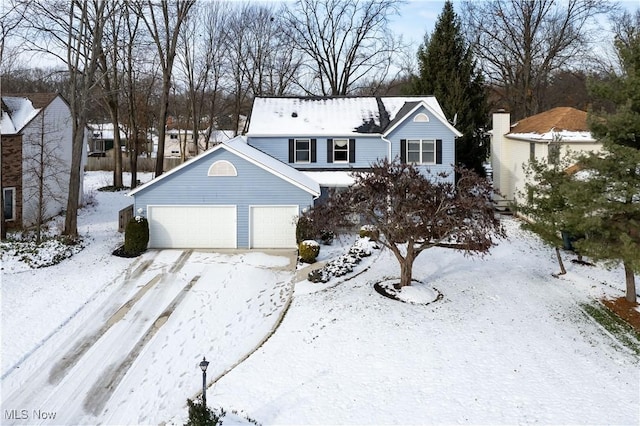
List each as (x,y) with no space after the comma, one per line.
(163,20)
(343,42)
(520,43)
(72,32)
(110,78)
(11,15)
(45,172)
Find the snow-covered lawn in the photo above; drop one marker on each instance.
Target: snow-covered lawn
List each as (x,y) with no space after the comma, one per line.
(507,343)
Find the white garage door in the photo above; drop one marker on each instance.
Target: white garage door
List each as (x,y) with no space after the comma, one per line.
(273,226)
(192,226)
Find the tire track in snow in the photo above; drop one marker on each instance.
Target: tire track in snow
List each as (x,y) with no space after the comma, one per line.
(108,382)
(72,356)
(129,278)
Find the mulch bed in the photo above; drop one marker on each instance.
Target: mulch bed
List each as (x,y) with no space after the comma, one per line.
(625,310)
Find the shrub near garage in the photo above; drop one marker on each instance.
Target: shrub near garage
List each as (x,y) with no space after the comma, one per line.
(136,236)
(308,250)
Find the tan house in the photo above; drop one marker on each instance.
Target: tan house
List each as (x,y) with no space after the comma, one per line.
(547,136)
(35,153)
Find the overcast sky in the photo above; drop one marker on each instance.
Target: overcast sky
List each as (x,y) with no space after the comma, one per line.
(419,17)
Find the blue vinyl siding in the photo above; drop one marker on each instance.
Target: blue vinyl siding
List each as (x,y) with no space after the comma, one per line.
(368,150)
(253,186)
(434,129)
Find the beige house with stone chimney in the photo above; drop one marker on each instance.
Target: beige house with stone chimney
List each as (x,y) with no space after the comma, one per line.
(547,136)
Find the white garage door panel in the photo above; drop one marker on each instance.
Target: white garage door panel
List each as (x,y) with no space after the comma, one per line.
(192,226)
(273,226)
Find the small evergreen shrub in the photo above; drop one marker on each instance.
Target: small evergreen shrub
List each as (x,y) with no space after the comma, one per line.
(308,250)
(136,236)
(370,232)
(199,415)
(304,230)
(327,237)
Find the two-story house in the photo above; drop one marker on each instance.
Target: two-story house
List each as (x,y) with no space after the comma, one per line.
(36,137)
(547,136)
(247,193)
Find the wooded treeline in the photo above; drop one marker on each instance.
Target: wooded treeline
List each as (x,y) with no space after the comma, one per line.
(134,63)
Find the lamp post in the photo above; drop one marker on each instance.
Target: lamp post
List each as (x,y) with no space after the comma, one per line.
(203,366)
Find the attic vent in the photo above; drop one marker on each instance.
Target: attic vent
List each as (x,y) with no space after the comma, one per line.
(294,114)
(421,118)
(222,168)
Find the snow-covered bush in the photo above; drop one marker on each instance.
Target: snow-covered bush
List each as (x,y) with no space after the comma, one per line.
(308,250)
(49,252)
(369,231)
(344,264)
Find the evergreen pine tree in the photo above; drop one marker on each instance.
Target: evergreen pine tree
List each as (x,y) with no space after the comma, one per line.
(607,203)
(604,200)
(621,126)
(447,70)
(546,206)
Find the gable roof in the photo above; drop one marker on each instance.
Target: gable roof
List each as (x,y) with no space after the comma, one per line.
(335,116)
(19,109)
(239,147)
(564,123)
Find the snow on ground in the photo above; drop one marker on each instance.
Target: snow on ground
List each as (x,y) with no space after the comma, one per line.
(101,339)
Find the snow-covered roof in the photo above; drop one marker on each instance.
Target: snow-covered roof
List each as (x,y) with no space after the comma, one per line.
(561,124)
(239,146)
(16,113)
(221,135)
(104,131)
(334,115)
(332,178)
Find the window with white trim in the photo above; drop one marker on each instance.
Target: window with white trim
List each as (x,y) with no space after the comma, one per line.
(341,150)
(222,168)
(9,203)
(421,151)
(302,150)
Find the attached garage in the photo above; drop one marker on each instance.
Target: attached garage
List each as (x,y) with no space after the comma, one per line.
(232,196)
(273,226)
(192,226)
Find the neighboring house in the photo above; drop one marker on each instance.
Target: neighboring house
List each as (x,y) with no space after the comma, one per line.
(177,140)
(102,138)
(248,192)
(547,136)
(36,137)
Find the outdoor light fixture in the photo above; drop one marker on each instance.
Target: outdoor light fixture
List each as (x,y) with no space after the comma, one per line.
(203,366)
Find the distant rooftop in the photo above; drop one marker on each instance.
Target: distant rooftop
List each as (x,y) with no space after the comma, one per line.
(556,119)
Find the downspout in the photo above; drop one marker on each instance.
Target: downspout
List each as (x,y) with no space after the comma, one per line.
(389,142)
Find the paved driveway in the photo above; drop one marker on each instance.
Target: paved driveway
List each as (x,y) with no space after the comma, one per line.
(134,360)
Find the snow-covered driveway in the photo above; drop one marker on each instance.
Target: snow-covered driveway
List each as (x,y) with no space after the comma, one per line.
(168,310)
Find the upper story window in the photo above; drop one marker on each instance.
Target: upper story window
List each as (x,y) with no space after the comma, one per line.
(421,118)
(341,150)
(9,207)
(222,168)
(173,136)
(421,151)
(302,150)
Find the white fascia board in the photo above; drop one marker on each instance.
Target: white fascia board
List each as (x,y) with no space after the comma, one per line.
(433,112)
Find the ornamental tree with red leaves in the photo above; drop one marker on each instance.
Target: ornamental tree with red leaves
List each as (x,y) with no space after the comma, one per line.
(413,211)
